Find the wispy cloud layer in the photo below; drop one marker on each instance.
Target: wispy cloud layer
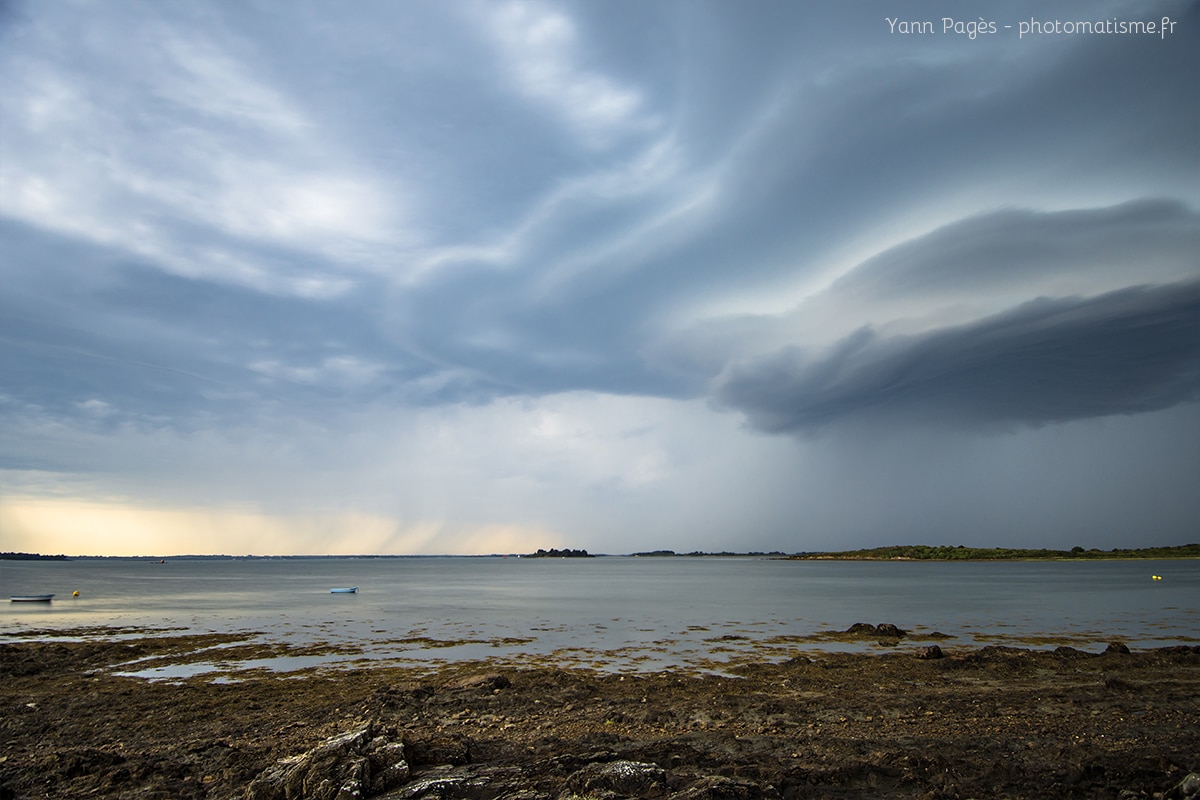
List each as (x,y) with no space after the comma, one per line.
(542,52)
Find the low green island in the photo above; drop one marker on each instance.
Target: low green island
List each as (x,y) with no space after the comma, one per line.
(921,552)
(556,553)
(7,556)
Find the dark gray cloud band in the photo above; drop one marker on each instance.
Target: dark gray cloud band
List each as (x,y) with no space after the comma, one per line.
(1126,352)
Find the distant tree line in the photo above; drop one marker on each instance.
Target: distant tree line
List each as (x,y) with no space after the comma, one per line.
(30,557)
(921,552)
(555,553)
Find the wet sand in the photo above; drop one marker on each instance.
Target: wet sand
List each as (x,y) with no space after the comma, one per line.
(985,722)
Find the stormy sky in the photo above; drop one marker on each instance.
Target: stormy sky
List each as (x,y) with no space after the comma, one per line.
(475,277)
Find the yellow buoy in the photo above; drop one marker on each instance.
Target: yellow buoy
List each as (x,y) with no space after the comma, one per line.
(75,593)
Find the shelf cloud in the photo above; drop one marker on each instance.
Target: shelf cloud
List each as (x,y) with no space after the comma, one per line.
(1047,361)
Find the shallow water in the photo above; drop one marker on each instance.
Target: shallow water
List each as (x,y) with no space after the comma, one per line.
(610,612)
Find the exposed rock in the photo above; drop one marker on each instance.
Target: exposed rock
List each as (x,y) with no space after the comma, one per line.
(718,787)
(470,781)
(343,767)
(1116,647)
(930,652)
(439,750)
(437,788)
(1071,652)
(619,778)
(1119,684)
(388,766)
(1181,651)
(867,629)
(490,681)
(1187,788)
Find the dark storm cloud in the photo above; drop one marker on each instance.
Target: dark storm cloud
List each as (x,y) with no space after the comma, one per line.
(779,154)
(1048,361)
(560,180)
(957,274)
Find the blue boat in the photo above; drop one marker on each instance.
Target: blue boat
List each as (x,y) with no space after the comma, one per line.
(344,591)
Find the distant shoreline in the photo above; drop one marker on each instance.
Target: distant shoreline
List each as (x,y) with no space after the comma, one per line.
(961,553)
(31,557)
(891,553)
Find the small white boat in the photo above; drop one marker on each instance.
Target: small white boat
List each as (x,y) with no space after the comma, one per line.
(32,598)
(344,591)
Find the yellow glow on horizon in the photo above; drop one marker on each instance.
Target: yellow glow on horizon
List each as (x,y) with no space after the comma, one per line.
(85,527)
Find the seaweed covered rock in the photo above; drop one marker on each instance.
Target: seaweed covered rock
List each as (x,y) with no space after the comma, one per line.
(492,681)
(1187,788)
(620,779)
(351,765)
(719,787)
(1071,652)
(882,629)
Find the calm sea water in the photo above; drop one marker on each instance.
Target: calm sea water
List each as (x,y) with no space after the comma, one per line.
(617,613)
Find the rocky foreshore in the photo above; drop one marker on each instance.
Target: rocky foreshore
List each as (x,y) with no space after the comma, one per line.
(938,722)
